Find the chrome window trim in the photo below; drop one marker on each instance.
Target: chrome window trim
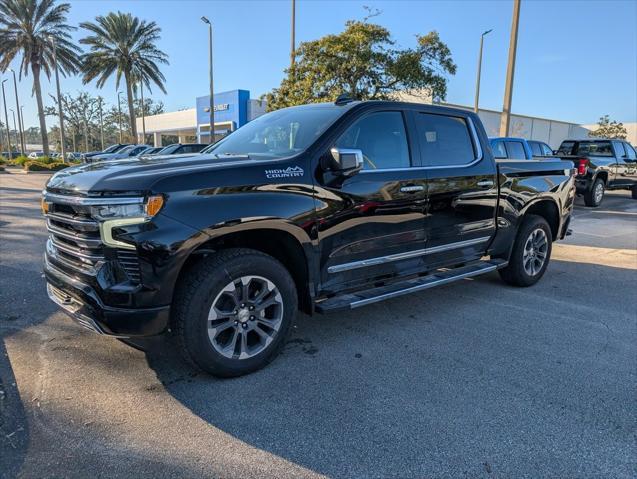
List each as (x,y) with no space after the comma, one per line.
(88,201)
(338,268)
(477,151)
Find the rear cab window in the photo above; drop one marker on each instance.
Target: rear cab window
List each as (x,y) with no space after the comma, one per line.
(566,148)
(445,140)
(499,151)
(536,149)
(594,148)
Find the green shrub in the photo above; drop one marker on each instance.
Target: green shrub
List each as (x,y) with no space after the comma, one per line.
(21,160)
(39,166)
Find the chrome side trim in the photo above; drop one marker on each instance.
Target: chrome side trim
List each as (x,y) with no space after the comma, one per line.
(90,201)
(420,287)
(407,255)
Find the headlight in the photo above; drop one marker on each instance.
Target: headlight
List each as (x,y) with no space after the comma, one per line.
(143,211)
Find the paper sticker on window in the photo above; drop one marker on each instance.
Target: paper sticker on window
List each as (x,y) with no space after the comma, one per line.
(430,136)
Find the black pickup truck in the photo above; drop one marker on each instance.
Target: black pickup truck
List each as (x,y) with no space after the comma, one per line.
(323,208)
(602,164)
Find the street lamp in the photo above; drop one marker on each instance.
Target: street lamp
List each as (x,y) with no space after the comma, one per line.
(17,106)
(15,127)
(101,124)
(212,91)
(57,86)
(6,119)
(475,108)
(293,34)
(119,115)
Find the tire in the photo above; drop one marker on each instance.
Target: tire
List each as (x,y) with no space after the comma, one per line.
(519,272)
(594,196)
(233,280)
(633,193)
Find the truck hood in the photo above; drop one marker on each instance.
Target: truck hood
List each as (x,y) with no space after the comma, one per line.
(138,174)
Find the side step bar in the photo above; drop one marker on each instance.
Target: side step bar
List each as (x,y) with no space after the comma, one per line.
(437,278)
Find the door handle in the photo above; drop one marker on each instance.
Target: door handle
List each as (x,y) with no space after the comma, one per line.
(411,188)
(485,183)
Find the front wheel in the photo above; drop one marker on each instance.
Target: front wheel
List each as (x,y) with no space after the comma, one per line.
(233,311)
(531,253)
(595,195)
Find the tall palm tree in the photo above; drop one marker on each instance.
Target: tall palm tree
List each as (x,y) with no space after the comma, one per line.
(124,45)
(29,28)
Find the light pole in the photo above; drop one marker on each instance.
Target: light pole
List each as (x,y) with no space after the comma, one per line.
(141,89)
(505,120)
(475,107)
(212,91)
(6,120)
(15,128)
(293,34)
(17,106)
(22,116)
(119,115)
(101,125)
(57,86)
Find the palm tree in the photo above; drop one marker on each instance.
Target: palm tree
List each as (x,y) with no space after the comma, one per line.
(123,44)
(29,28)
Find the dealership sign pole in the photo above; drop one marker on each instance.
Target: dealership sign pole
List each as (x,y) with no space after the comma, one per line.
(6,119)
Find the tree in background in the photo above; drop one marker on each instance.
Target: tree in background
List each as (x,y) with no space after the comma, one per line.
(364,62)
(609,129)
(121,44)
(27,28)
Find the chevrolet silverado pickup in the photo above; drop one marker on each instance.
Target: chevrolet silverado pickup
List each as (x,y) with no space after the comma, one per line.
(322,208)
(601,165)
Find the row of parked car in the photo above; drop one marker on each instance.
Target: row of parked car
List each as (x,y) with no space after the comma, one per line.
(602,164)
(122,151)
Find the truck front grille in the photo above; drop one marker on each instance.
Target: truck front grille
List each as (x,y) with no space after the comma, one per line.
(74,237)
(75,241)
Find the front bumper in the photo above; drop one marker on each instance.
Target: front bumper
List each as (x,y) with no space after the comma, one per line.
(80,301)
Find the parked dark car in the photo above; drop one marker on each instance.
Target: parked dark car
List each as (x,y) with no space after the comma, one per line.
(130,151)
(323,208)
(111,149)
(180,149)
(153,150)
(602,164)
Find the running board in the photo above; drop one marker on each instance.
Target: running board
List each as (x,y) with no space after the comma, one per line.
(437,278)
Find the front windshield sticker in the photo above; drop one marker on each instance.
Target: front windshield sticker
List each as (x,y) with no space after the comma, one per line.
(290,171)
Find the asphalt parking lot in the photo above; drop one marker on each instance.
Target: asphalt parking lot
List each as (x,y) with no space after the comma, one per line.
(475,379)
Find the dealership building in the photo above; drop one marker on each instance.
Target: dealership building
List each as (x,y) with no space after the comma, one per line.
(235,108)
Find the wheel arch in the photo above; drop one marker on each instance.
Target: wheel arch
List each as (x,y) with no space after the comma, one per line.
(548,209)
(289,245)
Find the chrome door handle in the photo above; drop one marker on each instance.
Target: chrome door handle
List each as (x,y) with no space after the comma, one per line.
(485,183)
(411,188)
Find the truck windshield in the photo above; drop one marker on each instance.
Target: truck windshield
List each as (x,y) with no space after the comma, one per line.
(278,134)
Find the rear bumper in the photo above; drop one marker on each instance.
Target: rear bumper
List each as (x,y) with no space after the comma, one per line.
(82,303)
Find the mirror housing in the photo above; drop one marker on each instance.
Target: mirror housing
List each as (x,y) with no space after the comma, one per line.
(347,161)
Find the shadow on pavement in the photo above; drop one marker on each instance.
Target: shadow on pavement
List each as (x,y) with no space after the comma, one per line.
(443,383)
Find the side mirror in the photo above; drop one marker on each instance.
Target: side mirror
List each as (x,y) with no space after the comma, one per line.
(347,161)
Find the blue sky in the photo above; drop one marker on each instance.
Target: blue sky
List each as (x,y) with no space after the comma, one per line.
(577,60)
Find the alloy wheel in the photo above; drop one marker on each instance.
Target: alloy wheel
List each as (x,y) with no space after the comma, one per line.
(245,317)
(535,251)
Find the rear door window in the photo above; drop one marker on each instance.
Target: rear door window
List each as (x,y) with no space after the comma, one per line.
(535,148)
(630,152)
(515,150)
(444,140)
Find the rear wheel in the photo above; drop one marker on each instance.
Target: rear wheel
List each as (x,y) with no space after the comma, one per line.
(233,311)
(531,253)
(595,195)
